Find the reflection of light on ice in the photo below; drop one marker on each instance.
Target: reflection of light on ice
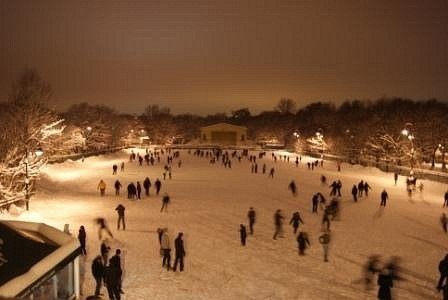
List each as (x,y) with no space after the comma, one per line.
(64,175)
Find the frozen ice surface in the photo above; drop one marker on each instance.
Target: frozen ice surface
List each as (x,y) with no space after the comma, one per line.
(208,202)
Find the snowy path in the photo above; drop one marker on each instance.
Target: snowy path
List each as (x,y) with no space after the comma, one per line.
(208,204)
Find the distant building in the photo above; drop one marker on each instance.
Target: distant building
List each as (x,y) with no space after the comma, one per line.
(224,134)
(37,262)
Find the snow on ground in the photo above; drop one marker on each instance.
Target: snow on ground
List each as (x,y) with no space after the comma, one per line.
(208,202)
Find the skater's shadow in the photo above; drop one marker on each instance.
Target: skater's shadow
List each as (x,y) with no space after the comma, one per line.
(379,213)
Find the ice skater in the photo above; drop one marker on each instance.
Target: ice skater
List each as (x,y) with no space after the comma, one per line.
(324,240)
(384,197)
(180,252)
(243,234)
(303,242)
(278,222)
(120,211)
(295,221)
(251,215)
(293,188)
(82,239)
(166,249)
(102,224)
(165,201)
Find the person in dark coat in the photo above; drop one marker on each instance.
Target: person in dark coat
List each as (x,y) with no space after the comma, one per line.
(444,222)
(295,221)
(117,186)
(158,185)
(443,270)
(384,197)
(315,201)
(120,211)
(360,188)
(98,273)
(139,190)
(122,166)
(271,173)
(385,283)
(131,190)
(115,262)
(303,242)
(445,203)
(180,252)
(104,250)
(355,193)
(82,240)
(147,185)
(293,188)
(395,177)
(165,201)
(243,234)
(114,169)
(278,222)
(251,215)
(366,188)
(333,187)
(112,279)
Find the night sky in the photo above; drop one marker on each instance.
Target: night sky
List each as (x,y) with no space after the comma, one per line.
(215,56)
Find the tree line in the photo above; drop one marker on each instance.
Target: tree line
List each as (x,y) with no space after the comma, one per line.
(354,130)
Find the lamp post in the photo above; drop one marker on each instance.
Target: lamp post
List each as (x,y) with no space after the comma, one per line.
(407,131)
(38,153)
(296,134)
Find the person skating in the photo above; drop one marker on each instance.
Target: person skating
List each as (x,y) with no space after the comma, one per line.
(445,203)
(166,249)
(114,169)
(339,187)
(115,262)
(104,250)
(82,240)
(103,226)
(117,186)
(243,234)
(271,173)
(395,177)
(122,166)
(112,279)
(324,240)
(278,222)
(323,180)
(443,270)
(120,211)
(102,188)
(147,185)
(303,242)
(360,188)
(384,197)
(315,202)
(98,274)
(293,188)
(444,222)
(139,190)
(165,201)
(355,193)
(370,268)
(333,187)
(385,284)
(295,221)
(158,185)
(180,252)
(366,188)
(251,215)
(326,219)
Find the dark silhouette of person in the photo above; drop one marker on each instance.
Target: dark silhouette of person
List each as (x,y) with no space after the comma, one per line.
(355,193)
(315,202)
(112,278)
(180,252)
(384,197)
(120,211)
(243,234)
(114,169)
(139,190)
(115,262)
(117,186)
(251,215)
(303,242)
(158,185)
(103,226)
(82,240)
(445,203)
(385,282)
(278,222)
(147,185)
(295,221)
(165,201)
(98,273)
(293,187)
(443,270)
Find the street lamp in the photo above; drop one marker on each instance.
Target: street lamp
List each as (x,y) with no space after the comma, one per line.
(407,131)
(38,152)
(296,134)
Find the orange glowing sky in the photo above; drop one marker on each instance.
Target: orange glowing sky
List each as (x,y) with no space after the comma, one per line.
(215,56)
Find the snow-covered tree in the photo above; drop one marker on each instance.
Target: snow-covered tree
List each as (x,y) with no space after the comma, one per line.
(27,125)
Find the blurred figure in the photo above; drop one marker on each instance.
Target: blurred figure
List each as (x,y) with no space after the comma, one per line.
(103,226)
(303,242)
(243,234)
(371,267)
(165,201)
(295,221)
(444,221)
(324,240)
(102,187)
(98,274)
(120,211)
(166,248)
(443,270)
(384,197)
(251,216)
(293,188)
(180,252)
(393,268)
(278,222)
(445,203)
